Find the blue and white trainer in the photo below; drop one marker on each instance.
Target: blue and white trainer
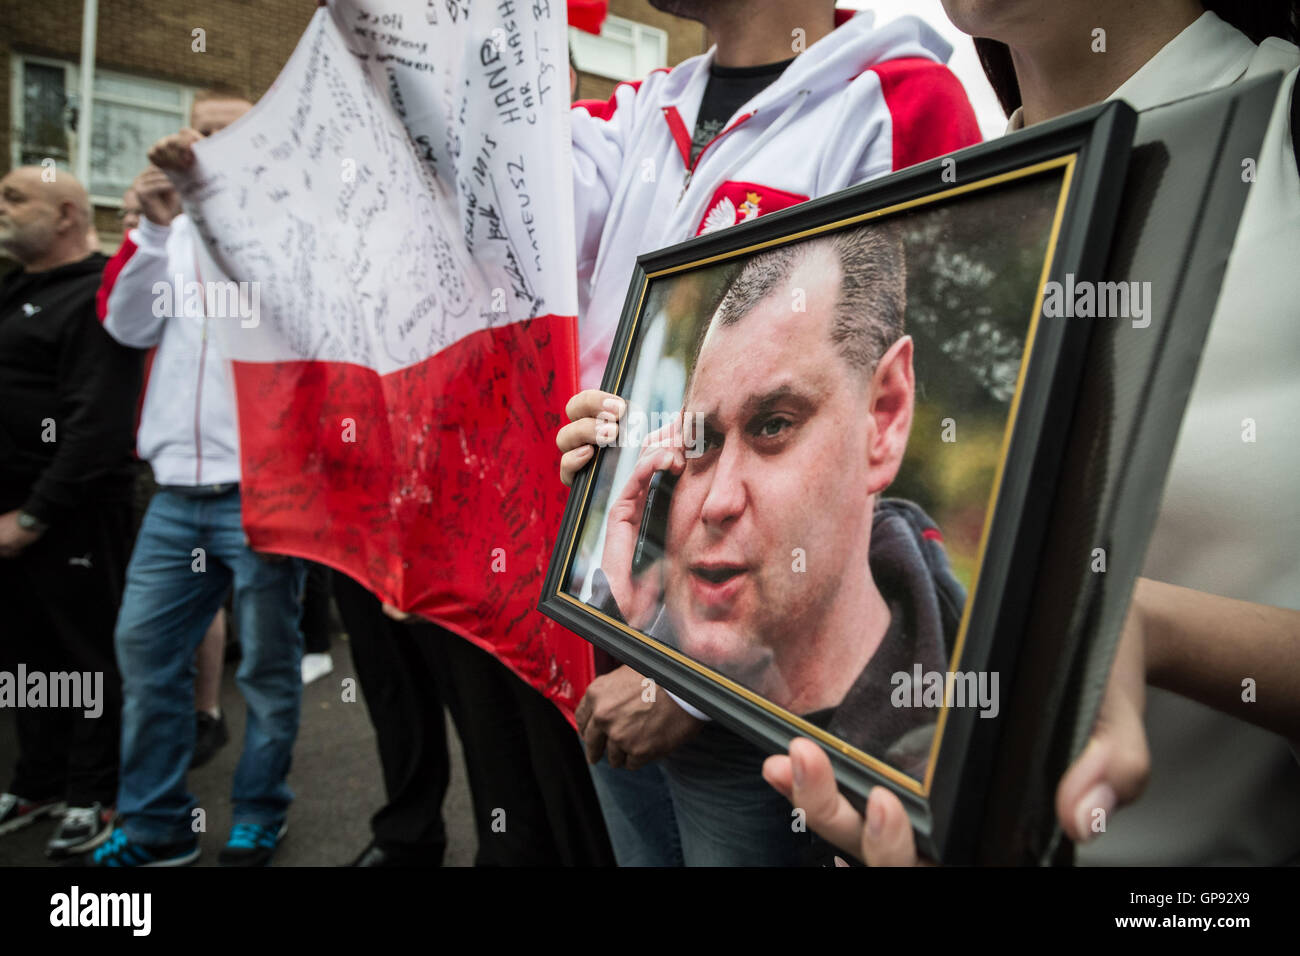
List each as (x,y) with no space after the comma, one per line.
(252,844)
(121,850)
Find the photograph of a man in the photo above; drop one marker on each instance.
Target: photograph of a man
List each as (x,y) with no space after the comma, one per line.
(784,568)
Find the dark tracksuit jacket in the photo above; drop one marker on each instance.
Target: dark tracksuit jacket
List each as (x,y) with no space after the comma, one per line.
(63,377)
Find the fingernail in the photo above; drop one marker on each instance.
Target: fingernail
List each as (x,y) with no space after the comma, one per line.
(840,861)
(1087,822)
(796,770)
(607,432)
(605,417)
(875,817)
(666,461)
(614,405)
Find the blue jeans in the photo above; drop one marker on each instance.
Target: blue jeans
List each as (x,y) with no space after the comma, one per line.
(639,816)
(172,593)
(706,804)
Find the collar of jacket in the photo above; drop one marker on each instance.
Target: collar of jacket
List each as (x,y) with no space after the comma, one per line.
(839,57)
(31,281)
(1208,54)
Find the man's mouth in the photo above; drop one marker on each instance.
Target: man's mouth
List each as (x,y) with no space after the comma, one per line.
(716,585)
(717,573)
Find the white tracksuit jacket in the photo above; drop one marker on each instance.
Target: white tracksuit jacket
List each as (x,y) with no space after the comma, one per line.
(857,104)
(188,431)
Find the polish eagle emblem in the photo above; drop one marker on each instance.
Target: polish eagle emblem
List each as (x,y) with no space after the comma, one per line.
(724,212)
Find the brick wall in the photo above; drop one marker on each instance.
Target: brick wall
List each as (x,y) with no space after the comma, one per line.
(247,42)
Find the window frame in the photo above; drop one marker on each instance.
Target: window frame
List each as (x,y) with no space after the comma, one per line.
(643,63)
(72,90)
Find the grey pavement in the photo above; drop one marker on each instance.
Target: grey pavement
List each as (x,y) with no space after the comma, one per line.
(335,777)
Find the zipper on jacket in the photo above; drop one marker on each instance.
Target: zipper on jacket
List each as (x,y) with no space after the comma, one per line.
(690,171)
(198,401)
(762,140)
(198,391)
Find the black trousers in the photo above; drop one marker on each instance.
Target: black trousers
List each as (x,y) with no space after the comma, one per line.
(315,623)
(534,803)
(60,598)
(405,706)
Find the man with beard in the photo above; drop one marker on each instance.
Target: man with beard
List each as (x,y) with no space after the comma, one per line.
(67,410)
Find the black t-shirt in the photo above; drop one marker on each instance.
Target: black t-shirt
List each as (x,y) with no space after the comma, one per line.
(730,87)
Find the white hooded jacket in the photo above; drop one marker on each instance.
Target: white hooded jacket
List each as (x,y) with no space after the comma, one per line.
(859,103)
(188,431)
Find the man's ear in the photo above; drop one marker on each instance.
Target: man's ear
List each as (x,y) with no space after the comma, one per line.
(893,389)
(69,218)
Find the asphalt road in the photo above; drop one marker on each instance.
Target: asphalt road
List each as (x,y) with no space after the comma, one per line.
(335,777)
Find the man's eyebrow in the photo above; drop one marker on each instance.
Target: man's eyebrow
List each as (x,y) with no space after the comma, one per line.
(781,395)
(764,402)
(761,403)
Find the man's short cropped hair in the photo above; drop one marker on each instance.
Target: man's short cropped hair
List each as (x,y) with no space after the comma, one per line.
(868,315)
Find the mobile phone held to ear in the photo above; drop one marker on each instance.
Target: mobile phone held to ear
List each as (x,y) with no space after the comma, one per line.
(650,541)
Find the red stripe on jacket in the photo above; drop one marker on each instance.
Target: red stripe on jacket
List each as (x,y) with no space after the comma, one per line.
(928,109)
(604,109)
(112,269)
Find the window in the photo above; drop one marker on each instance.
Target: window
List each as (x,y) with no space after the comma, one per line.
(131,114)
(625,49)
(44,120)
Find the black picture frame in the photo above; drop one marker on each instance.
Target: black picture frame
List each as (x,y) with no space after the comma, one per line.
(1091,146)
(1184,194)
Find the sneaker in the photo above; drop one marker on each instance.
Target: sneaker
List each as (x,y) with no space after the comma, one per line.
(210,735)
(251,844)
(121,850)
(16,813)
(315,666)
(80,831)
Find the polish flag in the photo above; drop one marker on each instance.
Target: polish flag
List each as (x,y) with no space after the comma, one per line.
(402,196)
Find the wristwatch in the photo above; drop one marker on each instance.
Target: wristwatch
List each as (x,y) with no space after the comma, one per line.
(29,522)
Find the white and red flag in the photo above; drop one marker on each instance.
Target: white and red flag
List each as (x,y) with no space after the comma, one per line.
(402,196)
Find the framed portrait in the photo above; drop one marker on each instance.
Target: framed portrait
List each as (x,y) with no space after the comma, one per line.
(822,511)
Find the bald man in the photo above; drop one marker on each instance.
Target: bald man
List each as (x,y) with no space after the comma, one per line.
(67,414)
